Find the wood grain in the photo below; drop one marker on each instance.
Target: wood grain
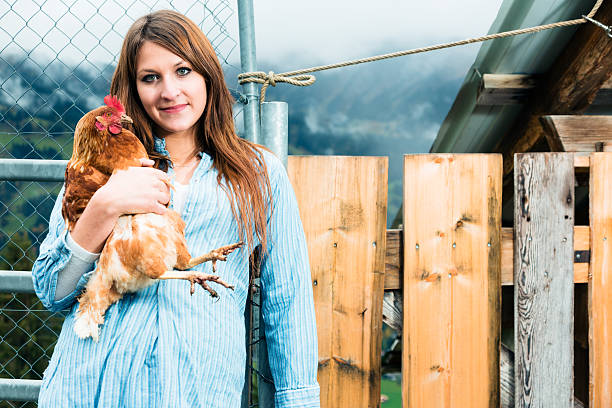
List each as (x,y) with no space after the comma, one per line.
(579,133)
(394,259)
(581,243)
(511,89)
(600,284)
(343,205)
(543,282)
(452,282)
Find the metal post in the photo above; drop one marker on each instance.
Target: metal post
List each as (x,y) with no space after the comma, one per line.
(274,133)
(248,62)
(274,128)
(250,113)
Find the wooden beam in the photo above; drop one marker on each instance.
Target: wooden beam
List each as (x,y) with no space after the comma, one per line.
(568,88)
(394,272)
(578,133)
(514,89)
(505,89)
(394,260)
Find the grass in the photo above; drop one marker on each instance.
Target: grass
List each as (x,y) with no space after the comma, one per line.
(392,390)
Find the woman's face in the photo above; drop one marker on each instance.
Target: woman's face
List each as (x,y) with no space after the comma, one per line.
(172,93)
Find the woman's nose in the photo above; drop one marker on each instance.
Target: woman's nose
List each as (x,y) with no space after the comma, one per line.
(169,89)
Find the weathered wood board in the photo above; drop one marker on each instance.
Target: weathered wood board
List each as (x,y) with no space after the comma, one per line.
(343,206)
(452,261)
(579,133)
(544,279)
(600,283)
(511,89)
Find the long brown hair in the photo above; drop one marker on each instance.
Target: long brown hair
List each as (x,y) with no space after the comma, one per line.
(236,160)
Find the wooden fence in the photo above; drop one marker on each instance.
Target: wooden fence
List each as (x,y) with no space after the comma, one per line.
(448,265)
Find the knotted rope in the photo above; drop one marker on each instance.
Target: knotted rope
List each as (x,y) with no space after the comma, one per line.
(300,79)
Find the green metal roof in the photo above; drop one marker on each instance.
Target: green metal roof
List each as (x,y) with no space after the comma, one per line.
(469,127)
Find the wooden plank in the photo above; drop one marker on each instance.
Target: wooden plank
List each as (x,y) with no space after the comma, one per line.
(505,89)
(543,283)
(579,133)
(394,259)
(512,89)
(343,205)
(600,284)
(452,284)
(581,161)
(581,243)
(394,272)
(568,88)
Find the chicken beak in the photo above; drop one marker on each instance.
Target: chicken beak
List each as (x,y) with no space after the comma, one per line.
(126,119)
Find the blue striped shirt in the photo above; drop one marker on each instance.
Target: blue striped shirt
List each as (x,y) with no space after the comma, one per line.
(161,347)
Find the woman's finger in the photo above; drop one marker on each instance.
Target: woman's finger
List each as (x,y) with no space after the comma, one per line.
(146,162)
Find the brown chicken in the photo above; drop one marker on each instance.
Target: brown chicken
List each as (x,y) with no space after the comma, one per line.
(142,247)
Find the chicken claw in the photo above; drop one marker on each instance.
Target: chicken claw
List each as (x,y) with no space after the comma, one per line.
(219,254)
(201,278)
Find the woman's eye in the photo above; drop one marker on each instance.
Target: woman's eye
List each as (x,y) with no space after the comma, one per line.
(183,71)
(149,78)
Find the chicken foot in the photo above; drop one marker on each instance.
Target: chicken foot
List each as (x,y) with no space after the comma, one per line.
(219,254)
(197,277)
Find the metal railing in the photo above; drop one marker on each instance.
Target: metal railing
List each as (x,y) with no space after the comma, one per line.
(29,331)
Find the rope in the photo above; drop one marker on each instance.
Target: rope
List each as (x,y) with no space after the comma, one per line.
(300,79)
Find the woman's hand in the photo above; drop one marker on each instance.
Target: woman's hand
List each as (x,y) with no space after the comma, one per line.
(135,190)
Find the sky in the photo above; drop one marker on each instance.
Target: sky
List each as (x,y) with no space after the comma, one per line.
(323,31)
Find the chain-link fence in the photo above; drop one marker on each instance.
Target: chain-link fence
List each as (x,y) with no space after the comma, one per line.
(56,61)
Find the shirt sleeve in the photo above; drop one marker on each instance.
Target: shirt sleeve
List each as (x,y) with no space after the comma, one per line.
(287,300)
(53,257)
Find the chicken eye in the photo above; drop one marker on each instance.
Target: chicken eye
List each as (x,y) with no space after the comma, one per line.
(108,114)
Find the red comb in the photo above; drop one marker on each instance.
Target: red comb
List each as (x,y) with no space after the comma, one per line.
(113,102)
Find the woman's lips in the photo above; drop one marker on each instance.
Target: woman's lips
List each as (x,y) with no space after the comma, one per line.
(174,109)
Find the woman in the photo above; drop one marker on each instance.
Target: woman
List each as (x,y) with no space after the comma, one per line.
(160,347)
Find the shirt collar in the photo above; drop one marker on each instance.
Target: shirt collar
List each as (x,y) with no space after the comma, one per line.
(205,162)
